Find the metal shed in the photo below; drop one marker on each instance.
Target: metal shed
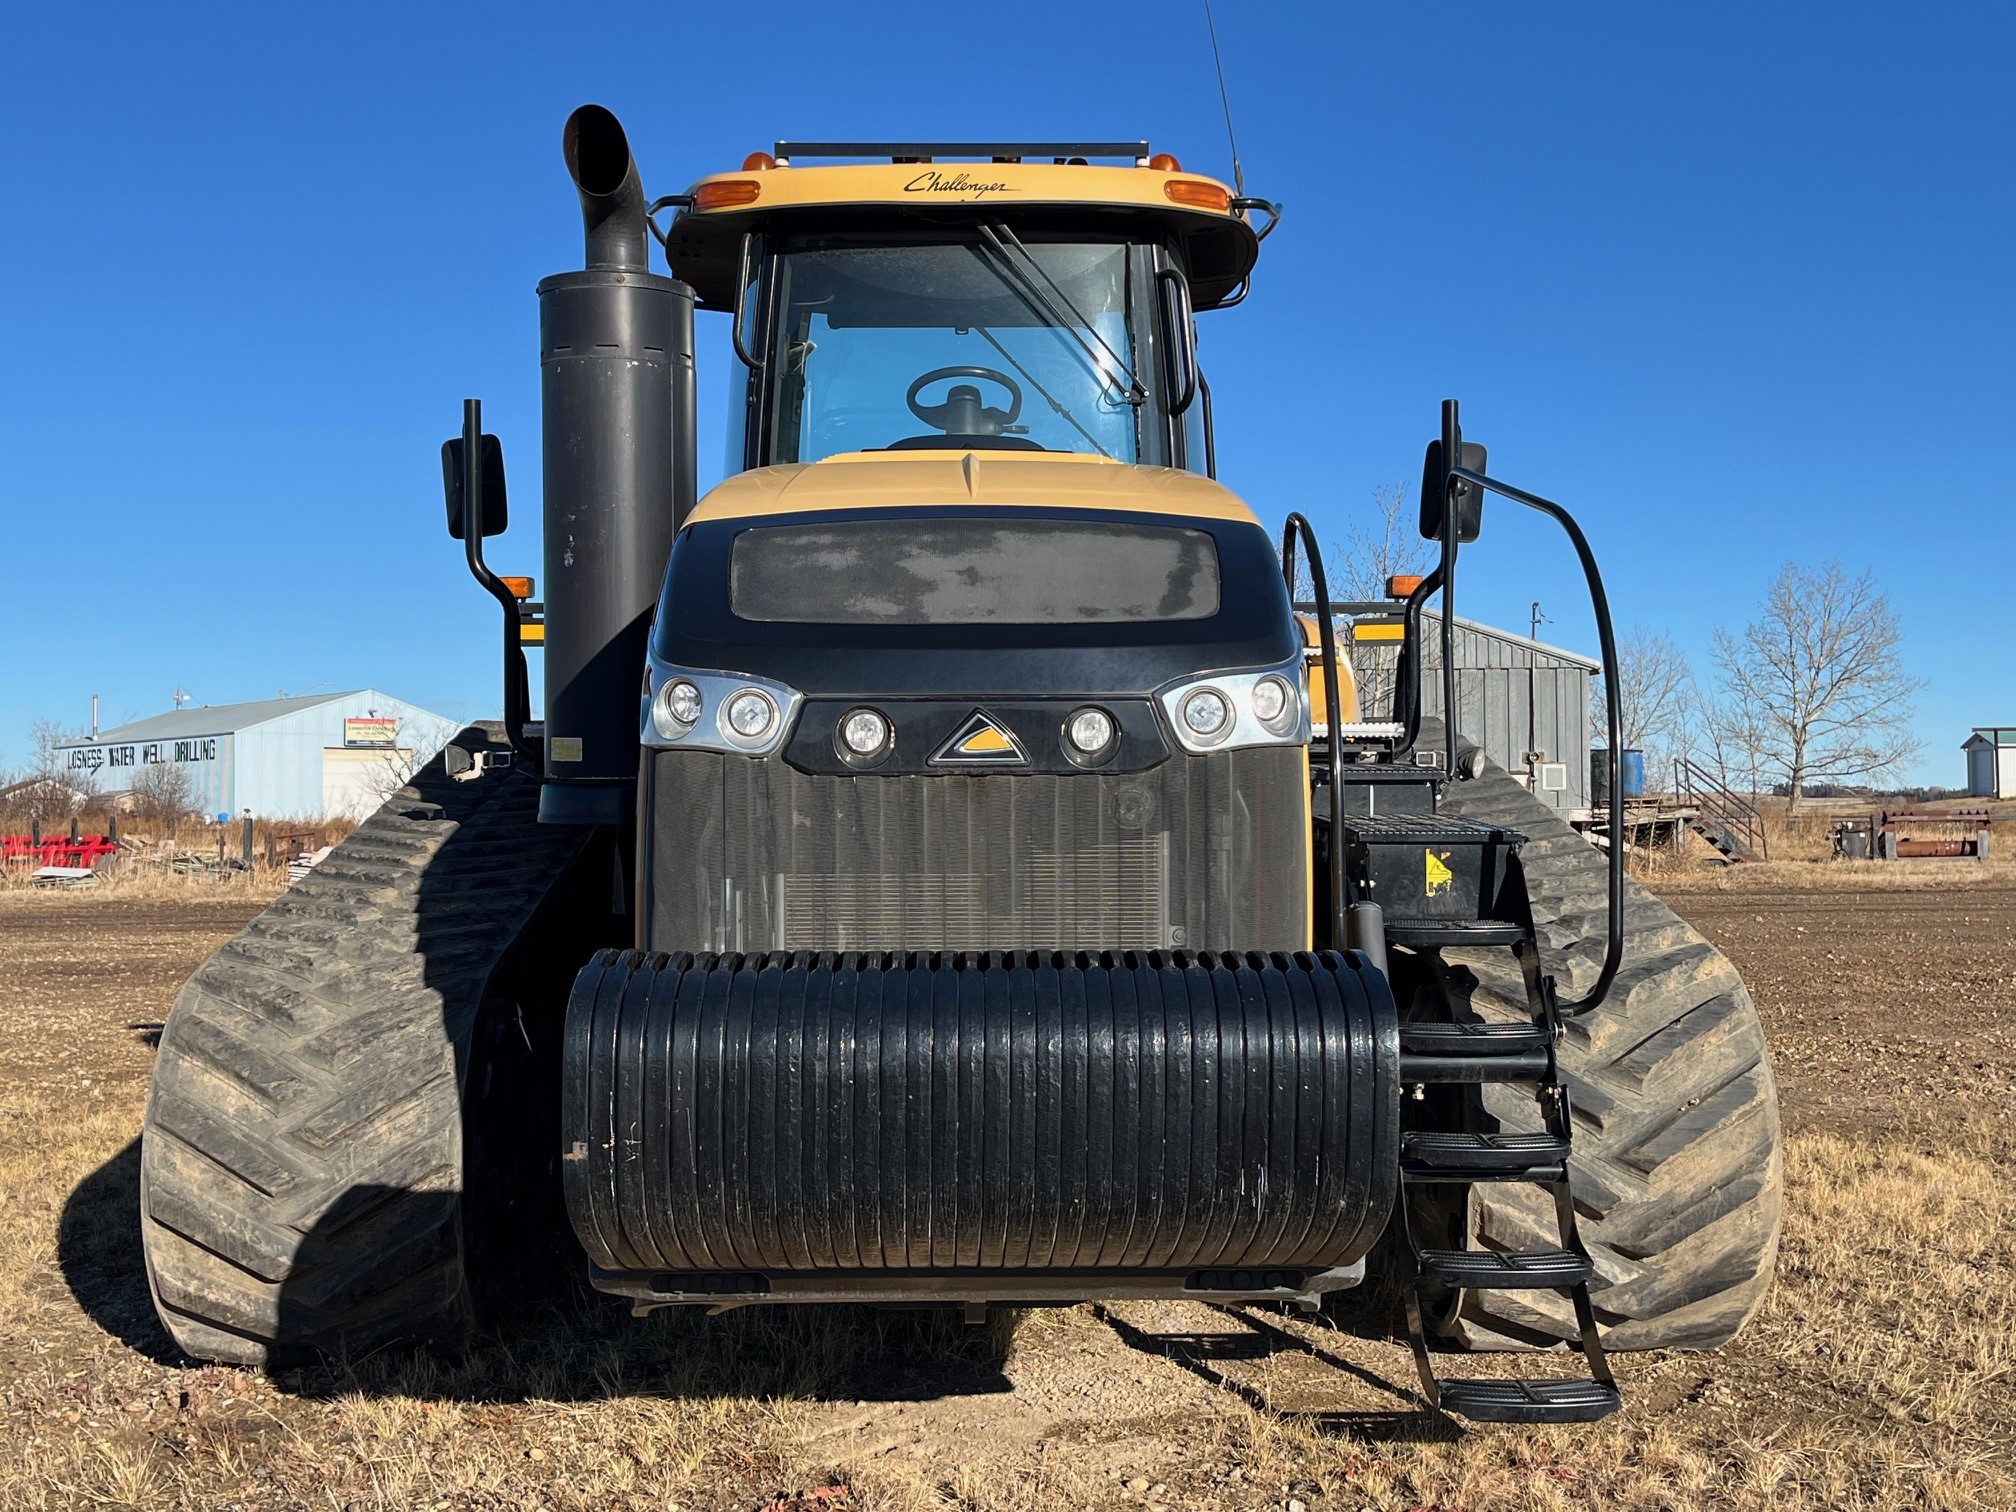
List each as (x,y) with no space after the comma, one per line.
(1525,701)
(1991,762)
(322,756)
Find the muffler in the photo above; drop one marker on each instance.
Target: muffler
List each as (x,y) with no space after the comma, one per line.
(616,369)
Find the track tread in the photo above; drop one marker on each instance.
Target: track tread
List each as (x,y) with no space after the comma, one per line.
(301,1161)
(1677,1167)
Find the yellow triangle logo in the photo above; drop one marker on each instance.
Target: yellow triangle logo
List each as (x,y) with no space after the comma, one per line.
(981,740)
(985,741)
(1440,878)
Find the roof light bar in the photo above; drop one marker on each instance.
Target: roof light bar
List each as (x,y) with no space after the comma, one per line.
(925,152)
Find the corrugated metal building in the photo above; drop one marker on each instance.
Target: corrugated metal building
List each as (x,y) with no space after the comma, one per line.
(1991,762)
(322,756)
(1524,701)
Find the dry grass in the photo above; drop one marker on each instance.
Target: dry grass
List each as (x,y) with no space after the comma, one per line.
(1881,1375)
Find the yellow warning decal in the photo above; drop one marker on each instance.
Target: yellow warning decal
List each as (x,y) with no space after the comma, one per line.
(1440,878)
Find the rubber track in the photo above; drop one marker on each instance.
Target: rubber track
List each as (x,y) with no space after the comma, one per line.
(1676,1167)
(301,1163)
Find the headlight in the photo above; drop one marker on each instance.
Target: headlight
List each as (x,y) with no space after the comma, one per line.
(864,733)
(677,708)
(1089,732)
(1274,703)
(1207,714)
(748,716)
(1228,711)
(734,712)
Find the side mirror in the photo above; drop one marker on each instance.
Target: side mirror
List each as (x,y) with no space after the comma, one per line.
(455,483)
(1435,493)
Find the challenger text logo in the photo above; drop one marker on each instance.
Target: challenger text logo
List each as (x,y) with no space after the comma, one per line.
(963,183)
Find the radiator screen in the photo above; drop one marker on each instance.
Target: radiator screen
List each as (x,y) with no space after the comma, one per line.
(1205,852)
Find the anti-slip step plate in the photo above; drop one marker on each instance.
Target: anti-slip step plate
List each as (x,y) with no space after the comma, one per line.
(1429,1156)
(1500,1270)
(1488,1401)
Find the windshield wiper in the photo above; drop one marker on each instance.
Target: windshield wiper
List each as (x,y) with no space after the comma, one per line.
(1056,404)
(1069,318)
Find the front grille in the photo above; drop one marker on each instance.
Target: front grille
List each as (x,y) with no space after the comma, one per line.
(1201,851)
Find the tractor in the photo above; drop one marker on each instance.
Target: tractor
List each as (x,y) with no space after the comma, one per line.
(949,868)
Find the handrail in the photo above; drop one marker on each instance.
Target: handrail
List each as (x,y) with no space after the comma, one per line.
(1296,531)
(1721,806)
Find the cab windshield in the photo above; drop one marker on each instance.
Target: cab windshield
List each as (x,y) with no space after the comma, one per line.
(990,343)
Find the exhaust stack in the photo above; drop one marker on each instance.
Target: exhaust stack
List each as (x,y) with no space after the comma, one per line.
(616,371)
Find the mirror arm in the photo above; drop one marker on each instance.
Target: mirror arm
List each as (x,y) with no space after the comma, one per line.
(1452,448)
(517,682)
(1182,334)
(1613,714)
(745,266)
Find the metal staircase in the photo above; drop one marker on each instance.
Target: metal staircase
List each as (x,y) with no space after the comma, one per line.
(1725,820)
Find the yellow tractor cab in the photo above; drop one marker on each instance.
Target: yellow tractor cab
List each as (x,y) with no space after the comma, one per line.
(976,557)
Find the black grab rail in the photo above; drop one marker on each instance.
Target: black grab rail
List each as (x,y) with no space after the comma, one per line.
(1613,711)
(1298,528)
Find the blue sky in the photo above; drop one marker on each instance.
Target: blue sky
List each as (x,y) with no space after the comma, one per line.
(1726,279)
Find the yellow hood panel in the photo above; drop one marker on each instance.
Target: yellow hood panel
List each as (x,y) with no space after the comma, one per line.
(897,480)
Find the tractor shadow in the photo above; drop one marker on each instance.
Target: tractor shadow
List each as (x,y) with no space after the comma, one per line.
(1279,1371)
(545,1334)
(98,1251)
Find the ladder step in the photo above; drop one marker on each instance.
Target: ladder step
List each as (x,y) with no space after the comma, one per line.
(1490,1401)
(1472,1039)
(1430,1155)
(1501,1270)
(1436,933)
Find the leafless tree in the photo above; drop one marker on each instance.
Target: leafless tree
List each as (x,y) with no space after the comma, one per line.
(1656,686)
(1815,686)
(49,790)
(1389,546)
(163,793)
(415,743)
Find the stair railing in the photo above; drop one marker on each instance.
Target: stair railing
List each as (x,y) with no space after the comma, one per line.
(1720,807)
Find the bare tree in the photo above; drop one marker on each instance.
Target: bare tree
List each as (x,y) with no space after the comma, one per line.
(1390,547)
(1815,685)
(163,793)
(49,790)
(1656,686)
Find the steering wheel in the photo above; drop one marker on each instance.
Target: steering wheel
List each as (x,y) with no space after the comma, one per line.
(961,414)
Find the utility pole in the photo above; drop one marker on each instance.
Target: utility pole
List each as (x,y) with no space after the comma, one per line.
(1534,755)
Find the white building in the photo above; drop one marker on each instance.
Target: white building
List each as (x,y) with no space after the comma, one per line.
(328,755)
(1991,762)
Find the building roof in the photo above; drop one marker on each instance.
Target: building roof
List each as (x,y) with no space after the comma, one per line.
(214,719)
(1999,735)
(1431,620)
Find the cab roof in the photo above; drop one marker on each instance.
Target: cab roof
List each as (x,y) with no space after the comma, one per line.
(1035,186)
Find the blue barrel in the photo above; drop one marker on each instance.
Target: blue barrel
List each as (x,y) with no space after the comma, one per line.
(1634,772)
(1599,774)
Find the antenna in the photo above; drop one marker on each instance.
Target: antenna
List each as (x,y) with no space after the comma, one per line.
(1225,99)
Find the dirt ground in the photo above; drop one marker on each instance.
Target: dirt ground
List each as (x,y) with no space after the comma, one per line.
(1882,1372)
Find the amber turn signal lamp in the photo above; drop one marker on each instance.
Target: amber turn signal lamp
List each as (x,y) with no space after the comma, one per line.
(521,588)
(723,193)
(758,162)
(1199,194)
(1402,586)
(1165,162)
